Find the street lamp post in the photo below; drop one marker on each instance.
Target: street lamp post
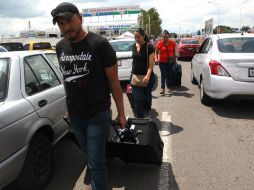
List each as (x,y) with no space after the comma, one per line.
(218,10)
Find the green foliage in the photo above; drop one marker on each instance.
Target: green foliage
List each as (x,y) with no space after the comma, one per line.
(155,21)
(223,29)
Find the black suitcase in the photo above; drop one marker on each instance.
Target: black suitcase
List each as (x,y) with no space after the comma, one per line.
(176,74)
(139,143)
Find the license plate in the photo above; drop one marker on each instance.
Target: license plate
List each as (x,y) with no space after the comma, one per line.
(119,63)
(251,72)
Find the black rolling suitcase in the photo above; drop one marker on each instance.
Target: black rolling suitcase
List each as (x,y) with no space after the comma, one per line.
(139,142)
(176,74)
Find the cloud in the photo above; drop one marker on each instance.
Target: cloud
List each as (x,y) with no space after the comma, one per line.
(19,9)
(175,14)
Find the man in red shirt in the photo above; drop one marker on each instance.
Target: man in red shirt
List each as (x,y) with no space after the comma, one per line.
(165,51)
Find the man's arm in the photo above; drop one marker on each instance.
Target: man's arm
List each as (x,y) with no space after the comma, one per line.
(112,75)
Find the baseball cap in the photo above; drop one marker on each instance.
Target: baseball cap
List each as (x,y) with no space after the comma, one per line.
(65,10)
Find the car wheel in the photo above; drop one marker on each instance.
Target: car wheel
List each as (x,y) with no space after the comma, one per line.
(38,165)
(204,98)
(193,79)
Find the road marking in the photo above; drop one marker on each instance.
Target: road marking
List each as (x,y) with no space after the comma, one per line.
(167,159)
(166,123)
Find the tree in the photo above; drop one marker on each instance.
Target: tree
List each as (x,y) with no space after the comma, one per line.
(245,28)
(223,29)
(155,21)
(198,32)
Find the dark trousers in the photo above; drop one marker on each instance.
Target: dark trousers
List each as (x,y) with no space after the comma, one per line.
(166,74)
(143,97)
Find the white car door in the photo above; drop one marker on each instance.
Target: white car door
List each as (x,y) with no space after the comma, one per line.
(198,59)
(44,90)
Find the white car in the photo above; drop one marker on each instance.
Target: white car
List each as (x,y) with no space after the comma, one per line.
(123,48)
(224,67)
(32,106)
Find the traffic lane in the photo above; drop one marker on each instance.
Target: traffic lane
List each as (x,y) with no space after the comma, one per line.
(214,150)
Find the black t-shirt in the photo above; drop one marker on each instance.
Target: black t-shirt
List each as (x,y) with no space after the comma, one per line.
(140,59)
(82,65)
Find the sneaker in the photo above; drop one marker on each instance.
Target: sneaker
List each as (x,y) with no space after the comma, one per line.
(162,91)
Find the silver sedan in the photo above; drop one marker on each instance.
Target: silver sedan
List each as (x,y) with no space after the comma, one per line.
(224,67)
(32,106)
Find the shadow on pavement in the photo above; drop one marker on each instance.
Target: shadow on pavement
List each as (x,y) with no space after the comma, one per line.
(69,163)
(237,109)
(141,177)
(179,91)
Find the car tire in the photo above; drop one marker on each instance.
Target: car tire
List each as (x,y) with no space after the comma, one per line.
(38,165)
(193,79)
(204,98)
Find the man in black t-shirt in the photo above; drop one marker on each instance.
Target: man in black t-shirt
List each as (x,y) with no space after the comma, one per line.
(89,68)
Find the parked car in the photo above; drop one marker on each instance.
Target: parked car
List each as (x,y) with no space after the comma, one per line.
(187,47)
(13,46)
(32,106)
(38,46)
(123,48)
(224,67)
(2,49)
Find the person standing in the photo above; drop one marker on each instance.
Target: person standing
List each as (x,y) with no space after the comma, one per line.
(143,62)
(88,64)
(165,54)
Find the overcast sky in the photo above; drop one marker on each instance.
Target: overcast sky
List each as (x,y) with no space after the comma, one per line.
(177,15)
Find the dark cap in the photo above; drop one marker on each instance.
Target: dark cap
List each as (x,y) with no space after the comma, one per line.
(65,10)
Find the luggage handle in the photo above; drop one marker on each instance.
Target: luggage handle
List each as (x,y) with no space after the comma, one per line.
(115,123)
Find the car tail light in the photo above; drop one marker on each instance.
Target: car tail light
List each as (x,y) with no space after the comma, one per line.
(217,69)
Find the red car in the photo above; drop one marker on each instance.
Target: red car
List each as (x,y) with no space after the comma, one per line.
(187,47)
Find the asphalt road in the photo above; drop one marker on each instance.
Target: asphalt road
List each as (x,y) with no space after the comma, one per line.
(206,148)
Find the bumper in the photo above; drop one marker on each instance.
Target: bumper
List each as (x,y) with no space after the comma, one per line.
(10,168)
(124,74)
(222,87)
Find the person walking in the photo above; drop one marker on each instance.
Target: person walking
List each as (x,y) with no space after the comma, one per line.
(165,55)
(142,71)
(89,67)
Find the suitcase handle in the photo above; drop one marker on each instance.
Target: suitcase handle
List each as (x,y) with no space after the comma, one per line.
(134,133)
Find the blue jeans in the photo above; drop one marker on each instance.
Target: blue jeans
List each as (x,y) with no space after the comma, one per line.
(91,135)
(143,97)
(166,74)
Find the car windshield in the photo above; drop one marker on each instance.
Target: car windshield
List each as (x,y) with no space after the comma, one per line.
(122,46)
(37,46)
(4,69)
(190,42)
(236,45)
(13,46)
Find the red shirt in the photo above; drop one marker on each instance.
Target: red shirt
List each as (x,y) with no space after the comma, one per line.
(166,51)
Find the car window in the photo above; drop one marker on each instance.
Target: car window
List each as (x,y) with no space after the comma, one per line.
(26,47)
(201,50)
(122,46)
(41,45)
(2,49)
(53,58)
(208,46)
(38,75)
(13,46)
(190,41)
(236,45)
(4,72)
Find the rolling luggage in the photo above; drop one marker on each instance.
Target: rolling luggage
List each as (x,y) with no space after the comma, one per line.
(139,142)
(176,74)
